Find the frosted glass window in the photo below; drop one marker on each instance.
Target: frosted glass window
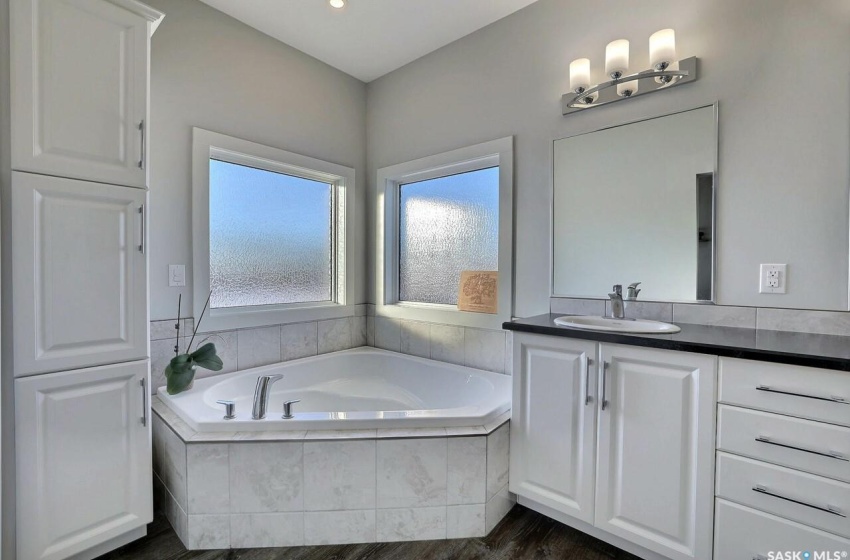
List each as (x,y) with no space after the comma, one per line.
(271,237)
(447,225)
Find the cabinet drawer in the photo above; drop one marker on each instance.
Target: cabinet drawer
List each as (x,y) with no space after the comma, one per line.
(744,533)
(819,394)
(813,500)
(813,447)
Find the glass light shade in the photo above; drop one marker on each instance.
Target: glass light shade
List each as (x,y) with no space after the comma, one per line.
(617,58)
(631,87)
(337,4)
(662,48)
(579,74)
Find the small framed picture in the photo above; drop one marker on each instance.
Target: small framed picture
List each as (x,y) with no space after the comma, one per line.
(479,291)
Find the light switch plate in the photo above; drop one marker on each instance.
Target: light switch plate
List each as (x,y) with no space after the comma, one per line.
(773,278)
(176,275)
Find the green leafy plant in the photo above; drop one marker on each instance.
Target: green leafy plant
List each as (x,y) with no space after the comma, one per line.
(180,371)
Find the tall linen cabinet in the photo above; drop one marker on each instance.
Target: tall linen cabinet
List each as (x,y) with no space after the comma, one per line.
(80,86)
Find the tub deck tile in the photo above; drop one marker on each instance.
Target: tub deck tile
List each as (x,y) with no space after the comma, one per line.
(323,435)
(385,433)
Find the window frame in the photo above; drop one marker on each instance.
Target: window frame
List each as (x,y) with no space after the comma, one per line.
(207,145)
(496,153)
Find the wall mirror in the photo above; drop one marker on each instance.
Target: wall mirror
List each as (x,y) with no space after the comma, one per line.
(635,203)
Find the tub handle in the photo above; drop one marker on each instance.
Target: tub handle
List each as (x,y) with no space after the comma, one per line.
(287,409)
(229,409)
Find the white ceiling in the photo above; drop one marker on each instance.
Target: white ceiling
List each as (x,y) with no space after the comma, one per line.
(368,38)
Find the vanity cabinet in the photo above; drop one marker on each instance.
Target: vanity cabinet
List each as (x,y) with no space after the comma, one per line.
(80,88)
(655,476)
(83,459)
(618,437)
(783,459)
(553,424)
(79,276)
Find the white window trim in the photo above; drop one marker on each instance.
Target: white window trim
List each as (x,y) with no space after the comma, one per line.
(207,144)
(489,154)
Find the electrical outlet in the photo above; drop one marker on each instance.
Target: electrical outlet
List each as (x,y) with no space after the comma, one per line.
(773,278)
(176,275)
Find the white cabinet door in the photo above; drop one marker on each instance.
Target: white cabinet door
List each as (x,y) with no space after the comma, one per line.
(83,459)
(80,88)
(79,274)
(654,483)
(553,423)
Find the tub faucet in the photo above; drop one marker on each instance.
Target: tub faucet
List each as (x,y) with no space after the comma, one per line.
(261,395)
(617,309)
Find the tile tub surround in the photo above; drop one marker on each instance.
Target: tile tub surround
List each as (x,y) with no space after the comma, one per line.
(248,348)
(329,488)
(478,348)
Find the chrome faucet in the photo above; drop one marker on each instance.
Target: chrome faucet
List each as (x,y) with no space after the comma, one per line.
(633,291)
(617,309)
(261,395)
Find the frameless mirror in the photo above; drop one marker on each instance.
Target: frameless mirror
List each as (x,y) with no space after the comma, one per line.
(635,203)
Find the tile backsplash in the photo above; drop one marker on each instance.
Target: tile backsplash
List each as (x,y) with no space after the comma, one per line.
(766,318)
(246,348)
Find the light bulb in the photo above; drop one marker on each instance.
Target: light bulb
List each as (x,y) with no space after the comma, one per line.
(580,74)
(337,4)
(662,49)
(617,58)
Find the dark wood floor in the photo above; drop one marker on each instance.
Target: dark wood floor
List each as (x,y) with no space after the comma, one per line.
(522,535)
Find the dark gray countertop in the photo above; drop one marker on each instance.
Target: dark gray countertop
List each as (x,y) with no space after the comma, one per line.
(804,349)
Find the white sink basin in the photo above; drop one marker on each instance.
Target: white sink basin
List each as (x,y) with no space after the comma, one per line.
(616,325)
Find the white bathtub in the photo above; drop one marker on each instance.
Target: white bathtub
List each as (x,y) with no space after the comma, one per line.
(353,389)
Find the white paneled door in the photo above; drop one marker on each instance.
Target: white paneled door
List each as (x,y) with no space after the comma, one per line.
(553,425)
(80,88)
(83,459)
(80,274)
(654,482)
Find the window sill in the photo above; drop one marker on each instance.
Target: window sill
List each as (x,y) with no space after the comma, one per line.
(442,314)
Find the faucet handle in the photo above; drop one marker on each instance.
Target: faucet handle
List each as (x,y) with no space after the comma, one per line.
(287,409)
(618,289)
(229,409)
(634,285)
(633,291)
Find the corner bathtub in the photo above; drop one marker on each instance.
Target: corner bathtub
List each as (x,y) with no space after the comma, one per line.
(353,389)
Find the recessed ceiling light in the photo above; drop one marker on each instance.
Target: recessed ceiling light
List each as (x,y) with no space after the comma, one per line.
(337,4)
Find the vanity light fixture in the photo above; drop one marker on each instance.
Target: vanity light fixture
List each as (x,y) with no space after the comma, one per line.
(664,72)
(337,4)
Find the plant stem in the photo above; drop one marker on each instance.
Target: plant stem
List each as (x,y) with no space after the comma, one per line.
(177,340)
(198,324)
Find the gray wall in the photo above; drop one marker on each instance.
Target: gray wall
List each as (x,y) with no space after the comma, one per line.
(211,71)
(7,395)
(784,166)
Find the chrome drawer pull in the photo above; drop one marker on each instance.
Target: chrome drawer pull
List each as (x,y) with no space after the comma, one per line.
(827,509)
(839,400)
(830,454)
(144,384)
(587,399)
(604,400)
